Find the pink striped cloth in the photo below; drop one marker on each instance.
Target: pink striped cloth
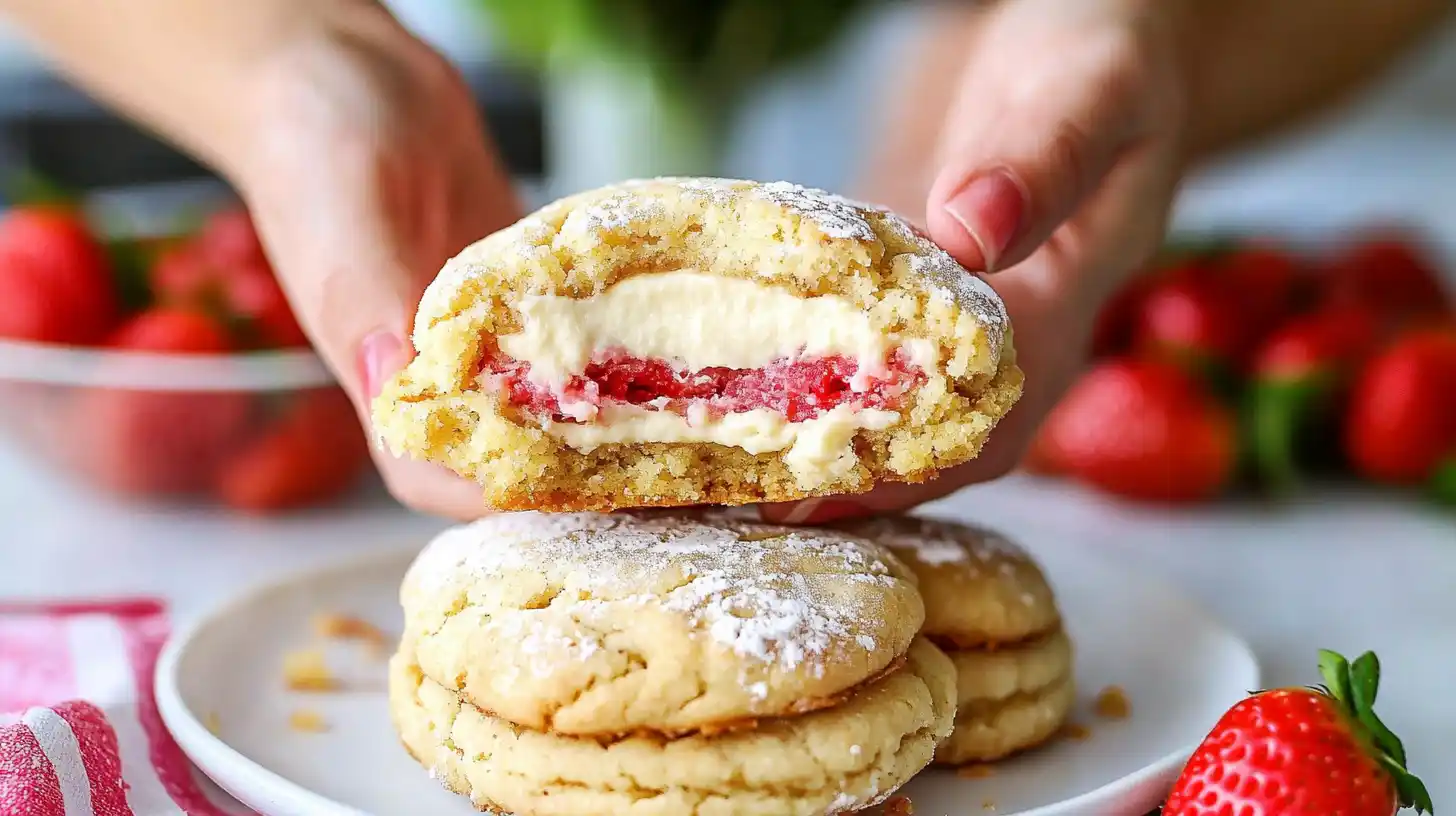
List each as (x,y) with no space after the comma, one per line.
(79,729)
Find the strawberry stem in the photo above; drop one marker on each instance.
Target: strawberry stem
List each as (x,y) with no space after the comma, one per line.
(1354,687)
(1443,482)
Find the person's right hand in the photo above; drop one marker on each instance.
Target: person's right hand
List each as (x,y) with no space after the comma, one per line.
(368,167)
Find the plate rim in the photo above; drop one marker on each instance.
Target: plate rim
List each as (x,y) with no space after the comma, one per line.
(193,736)
(191,733)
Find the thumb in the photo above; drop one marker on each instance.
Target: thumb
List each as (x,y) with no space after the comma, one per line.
(1023,151)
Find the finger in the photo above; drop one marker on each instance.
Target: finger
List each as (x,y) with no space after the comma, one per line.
(1025,144)
(1050,360)
(422,486)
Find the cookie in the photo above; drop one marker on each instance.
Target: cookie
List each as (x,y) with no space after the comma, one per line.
(980,588)
(700,341)
(1009,700)
(834,761)
(595,624)
(988,604)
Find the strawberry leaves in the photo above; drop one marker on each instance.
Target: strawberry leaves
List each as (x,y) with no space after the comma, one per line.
(1354,687)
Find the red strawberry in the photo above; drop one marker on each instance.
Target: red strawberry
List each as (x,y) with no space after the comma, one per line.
(1402,421)
(1113,332)
(1301,375)
(1302,752)
(315,452)
(55,279)
(1390,276)
(160,442)
(1267,284)
(178,331)
(1141,429)
(1192,318)
(228,237)
(223,269)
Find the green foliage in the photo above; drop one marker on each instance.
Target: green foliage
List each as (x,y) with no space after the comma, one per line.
(713,46)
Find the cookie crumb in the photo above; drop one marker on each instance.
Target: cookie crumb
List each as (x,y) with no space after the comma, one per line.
(899,806)
(306,670)
(975,772)
(212,723)
(988,804)
(335,626)
(310,722)
(1076,732)
(1112,704)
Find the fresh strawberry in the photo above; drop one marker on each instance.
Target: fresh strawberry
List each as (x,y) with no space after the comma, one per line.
(55,279)
(1390,276)
(315,452)
(1402,421)
(1142,429)
(176,331)
(1194,319)
(1302,752)
(224,270)
(1266,282)
(229,237)
(1113,332)
(253,295)
(160,442)
(1301,375)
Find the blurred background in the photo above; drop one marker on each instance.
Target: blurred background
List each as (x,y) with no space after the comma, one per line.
(569,113)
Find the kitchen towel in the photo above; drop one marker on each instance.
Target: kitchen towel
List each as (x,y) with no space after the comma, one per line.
(79,729)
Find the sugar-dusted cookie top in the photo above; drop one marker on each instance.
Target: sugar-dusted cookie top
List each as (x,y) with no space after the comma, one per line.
(607,624)
(980,588)
(700,341)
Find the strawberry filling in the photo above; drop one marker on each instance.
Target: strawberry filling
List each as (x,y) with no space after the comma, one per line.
(799,388)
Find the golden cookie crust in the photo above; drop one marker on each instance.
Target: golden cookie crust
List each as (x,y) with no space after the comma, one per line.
(806,241)
(594,624)
(980,588)
(992,675)
(990,731)
(834,761)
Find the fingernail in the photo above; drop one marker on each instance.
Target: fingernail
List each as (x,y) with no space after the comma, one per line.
(991,208)
(380,354)
(815,511)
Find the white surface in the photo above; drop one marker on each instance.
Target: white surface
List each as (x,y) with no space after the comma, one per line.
(1181,672)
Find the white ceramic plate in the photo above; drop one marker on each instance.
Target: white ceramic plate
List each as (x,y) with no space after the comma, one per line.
(1180,668)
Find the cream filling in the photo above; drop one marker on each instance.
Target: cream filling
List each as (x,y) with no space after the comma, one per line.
(819,450)
(698,321)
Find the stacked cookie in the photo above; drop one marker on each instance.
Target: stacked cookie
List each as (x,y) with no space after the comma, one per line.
(666,664)
(683,342)
(989,606)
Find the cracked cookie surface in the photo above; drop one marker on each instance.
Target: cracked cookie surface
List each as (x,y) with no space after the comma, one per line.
(595,624)
(980,588)
(661,406)
(988,604)
(833,761)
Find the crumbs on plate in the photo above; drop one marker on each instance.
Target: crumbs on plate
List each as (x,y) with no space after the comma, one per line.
(1076,732)
(336,626)
(1113,704)
(307,670)
(307,721)
(975,771)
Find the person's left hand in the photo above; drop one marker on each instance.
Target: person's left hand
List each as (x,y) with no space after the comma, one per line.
(1055,170)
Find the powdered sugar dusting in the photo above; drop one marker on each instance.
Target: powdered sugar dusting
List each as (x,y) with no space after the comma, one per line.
(757,589)
(935,542)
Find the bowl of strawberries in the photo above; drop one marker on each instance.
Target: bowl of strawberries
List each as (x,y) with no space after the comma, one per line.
(167,367)
(1241,362)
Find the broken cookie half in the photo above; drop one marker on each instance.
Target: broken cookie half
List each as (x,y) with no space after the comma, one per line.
(690,341)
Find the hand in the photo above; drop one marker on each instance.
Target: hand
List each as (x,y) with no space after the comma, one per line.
(368,170)
(1054,171)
